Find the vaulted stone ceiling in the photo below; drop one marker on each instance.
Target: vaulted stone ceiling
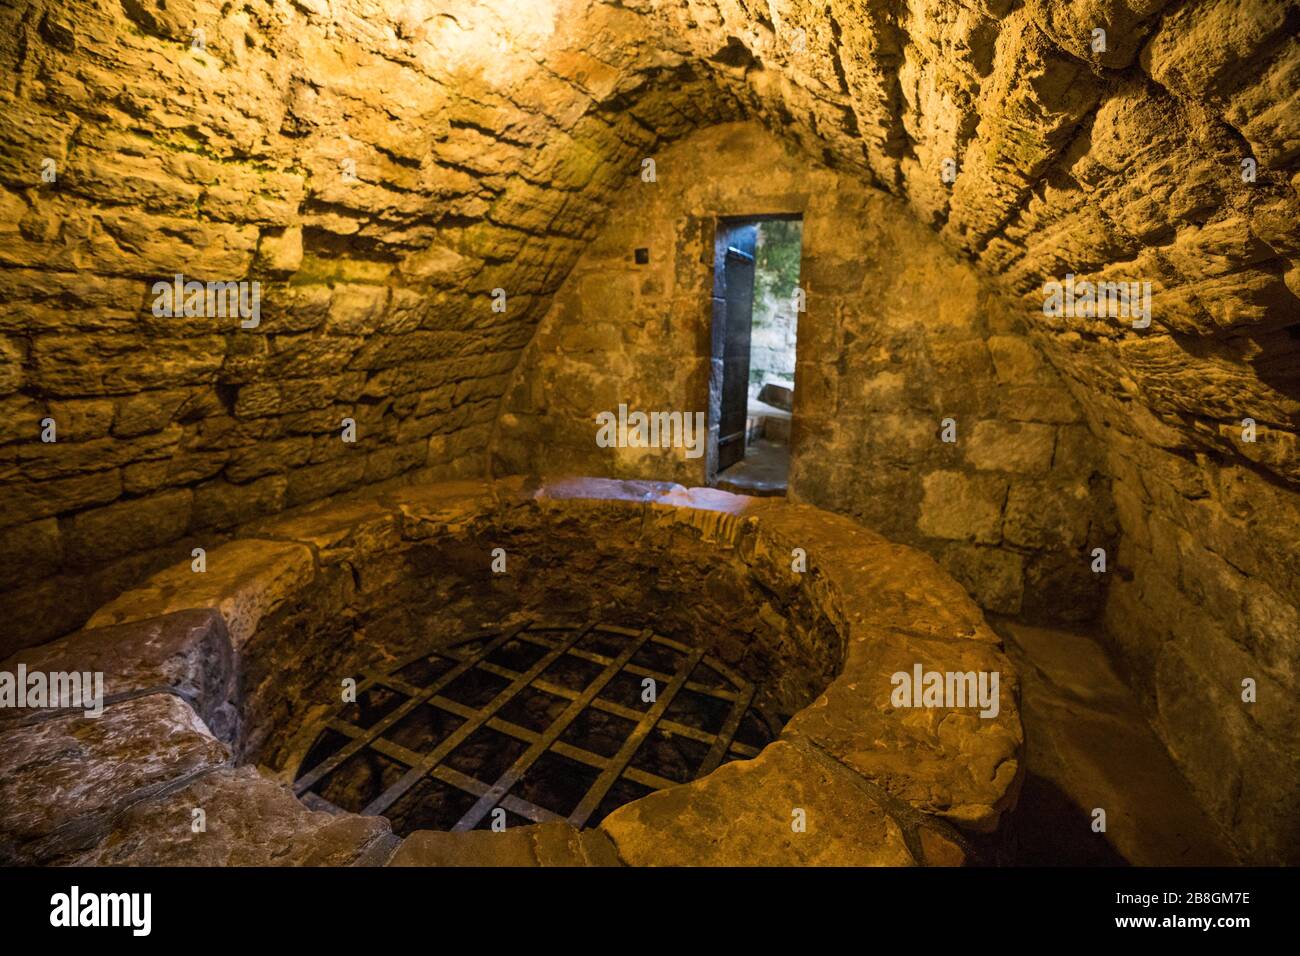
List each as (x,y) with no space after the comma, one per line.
(383,166)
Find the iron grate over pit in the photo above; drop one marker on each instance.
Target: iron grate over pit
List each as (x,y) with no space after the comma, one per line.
(545,721)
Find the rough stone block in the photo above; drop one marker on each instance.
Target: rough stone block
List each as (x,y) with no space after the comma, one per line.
(248,820)
(99,535)
(245,580)
(147,412)
(340,531)
(1272,627)
(994,577)
(1018,362)
(1037,403)
(1047,515)
(1017,447)
(30,551)
(745,814)
(221,505)
(281,252)
(545,844)
(356,309)
(188,653)
(64,780)
(948,761)
(962,507)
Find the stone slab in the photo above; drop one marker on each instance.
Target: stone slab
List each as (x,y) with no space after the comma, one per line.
(64,780)
(947,761)
(188,653)
(337,532)
(246,580)
(544,844)
(247,820)
(743,814)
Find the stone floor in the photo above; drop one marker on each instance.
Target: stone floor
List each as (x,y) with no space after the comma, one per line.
(1087,745)
(764,470)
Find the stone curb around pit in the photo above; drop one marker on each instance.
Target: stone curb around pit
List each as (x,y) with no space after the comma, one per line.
(893,607)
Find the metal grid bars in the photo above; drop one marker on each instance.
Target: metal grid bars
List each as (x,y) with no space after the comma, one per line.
(518,698)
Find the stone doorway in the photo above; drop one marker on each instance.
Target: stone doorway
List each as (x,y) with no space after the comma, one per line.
(756,302)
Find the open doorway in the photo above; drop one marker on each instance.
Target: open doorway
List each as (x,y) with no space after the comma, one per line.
(756,306)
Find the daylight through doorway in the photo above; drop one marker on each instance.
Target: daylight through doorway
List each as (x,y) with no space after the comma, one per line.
(756,304)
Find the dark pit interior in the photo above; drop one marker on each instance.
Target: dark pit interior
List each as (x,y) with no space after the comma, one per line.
(615,656)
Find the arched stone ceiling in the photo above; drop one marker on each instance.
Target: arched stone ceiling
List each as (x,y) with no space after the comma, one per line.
(486,136)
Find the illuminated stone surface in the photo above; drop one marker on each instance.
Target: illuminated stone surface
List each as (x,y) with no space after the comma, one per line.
(381,168)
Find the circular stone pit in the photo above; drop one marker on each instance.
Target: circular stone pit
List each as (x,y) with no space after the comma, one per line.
(211,675)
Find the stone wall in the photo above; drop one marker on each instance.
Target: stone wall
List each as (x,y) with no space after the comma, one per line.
(378,168)
(898,336)
(1205,598)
